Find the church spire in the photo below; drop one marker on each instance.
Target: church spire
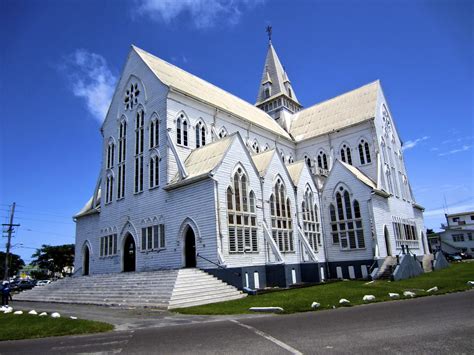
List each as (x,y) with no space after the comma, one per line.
(275,92)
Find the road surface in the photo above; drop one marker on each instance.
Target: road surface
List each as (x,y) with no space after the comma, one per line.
(429,325)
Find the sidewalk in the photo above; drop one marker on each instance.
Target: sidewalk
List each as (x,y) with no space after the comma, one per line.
(123,318)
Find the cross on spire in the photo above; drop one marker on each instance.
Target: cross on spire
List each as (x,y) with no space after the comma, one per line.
(269,32)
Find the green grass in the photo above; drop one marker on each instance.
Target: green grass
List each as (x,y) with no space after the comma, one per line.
(25,326)
(452,279)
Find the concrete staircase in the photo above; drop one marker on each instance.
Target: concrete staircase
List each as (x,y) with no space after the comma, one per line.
(163,289)
(386,270)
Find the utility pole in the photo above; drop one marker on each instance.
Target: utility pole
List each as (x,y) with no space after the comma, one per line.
(9,236)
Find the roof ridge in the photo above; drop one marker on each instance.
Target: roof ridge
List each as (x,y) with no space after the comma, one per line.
(336,97)
(200,79)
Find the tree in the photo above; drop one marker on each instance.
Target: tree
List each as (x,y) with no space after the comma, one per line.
(15,264)
(430,231)
(55,258)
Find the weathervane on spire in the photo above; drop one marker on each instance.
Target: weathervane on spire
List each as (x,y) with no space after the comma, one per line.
(269,31)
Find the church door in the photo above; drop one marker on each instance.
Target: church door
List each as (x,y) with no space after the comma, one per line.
(387,242)
(129,254)
(190,248)
(85,269)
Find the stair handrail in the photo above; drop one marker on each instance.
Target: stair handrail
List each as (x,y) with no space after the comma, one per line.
(210,261)
(271,242)
(219,266)
(306,245)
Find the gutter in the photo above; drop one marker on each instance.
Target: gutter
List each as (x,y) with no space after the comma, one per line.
(187,181)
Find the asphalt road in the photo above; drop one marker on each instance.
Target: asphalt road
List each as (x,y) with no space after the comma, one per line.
(429,325)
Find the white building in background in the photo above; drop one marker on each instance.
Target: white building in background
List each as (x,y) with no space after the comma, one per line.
(458,234)
(270,194)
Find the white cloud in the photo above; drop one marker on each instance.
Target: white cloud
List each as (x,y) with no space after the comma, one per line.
(91,80)
(450,209)
(413,143)
(204,13)
(464,148)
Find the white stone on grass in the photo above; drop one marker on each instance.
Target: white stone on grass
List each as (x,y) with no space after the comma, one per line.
(55,315)
(432,289)
(370,282)
(33,312)
(18,312)
(409,294)
(368,298)
(344,301)
(266,309)
(315,305)
(470,283)
(43,314)
(393,295)
(72,317)
(9,310)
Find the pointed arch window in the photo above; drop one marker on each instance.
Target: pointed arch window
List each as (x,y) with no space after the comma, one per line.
(110,155)
(241,215)
(364,152)
(346,222)
(311,224)
(182,130)
(139,144)
(200,134)
(307,160)
(322,160)
(154,171)
(109,188)
(222,133)
(255,147)
(291,160)
(121,159)
(154,133)
(346,156)
(282,223)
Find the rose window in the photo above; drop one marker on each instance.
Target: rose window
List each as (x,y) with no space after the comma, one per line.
(131,96)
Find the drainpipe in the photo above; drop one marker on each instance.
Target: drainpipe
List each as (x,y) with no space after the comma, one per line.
(220,255)
(323,224)
(375,240)
(262,179)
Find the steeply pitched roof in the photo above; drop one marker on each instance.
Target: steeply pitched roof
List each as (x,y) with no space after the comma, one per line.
(342,111)
(191,85)
(204,160)
(88,208)
(274,73)
(262,161)
(295,171)
(364,178)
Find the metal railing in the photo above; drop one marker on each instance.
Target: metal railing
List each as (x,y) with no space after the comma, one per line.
(219,266)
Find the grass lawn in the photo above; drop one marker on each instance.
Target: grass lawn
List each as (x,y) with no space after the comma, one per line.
(452,279)
(25,326)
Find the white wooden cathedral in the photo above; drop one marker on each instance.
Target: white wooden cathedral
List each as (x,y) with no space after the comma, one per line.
(264,195)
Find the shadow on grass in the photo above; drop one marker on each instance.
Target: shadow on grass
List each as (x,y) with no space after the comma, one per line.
(452,279)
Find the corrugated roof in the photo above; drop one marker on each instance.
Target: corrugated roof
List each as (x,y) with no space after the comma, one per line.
(205,159)
(360,175)
(345,110)
(295,171)
(262,161)
(189,84)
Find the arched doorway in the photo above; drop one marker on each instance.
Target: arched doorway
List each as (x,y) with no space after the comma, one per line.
(129,250)
(387,241)
(189,248)
(85,261)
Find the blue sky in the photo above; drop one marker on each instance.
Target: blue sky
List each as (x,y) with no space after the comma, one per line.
(61,59)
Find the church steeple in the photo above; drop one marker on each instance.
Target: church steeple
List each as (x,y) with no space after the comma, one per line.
(275,93)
